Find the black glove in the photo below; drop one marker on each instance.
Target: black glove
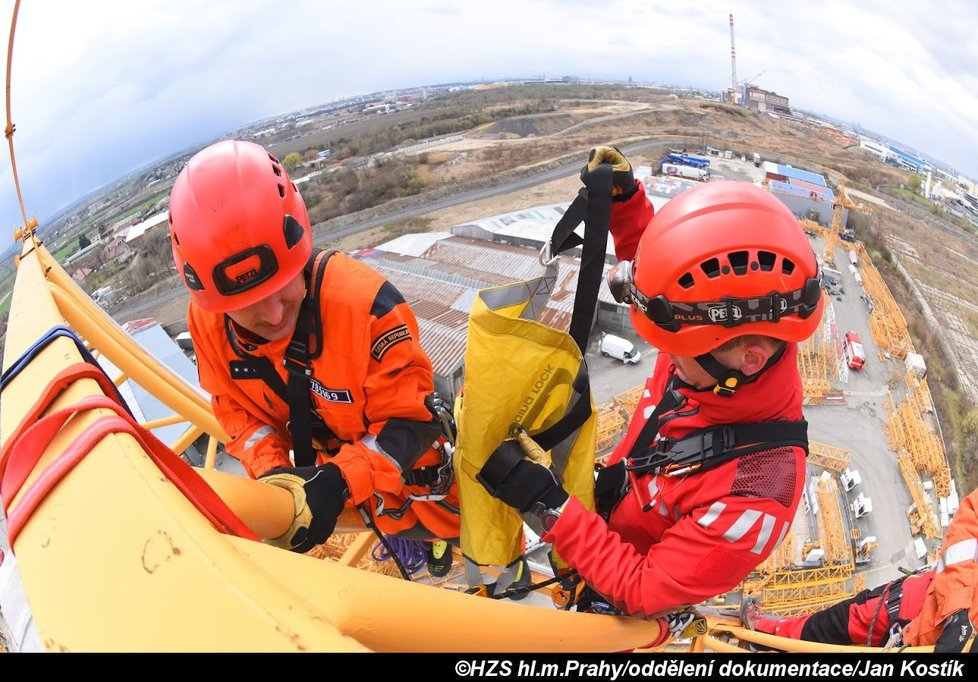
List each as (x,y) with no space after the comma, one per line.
(623,185)
(528,483)
(957,636)
(609,487)
(320,493)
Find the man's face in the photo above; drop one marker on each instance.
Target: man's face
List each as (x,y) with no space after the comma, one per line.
(274,318)
(690,372)
(693,374)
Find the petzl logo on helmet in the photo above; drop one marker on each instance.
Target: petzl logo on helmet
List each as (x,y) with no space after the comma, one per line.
(245,271)
(717,312)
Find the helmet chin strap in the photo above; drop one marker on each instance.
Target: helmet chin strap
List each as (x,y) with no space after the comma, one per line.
(729,380)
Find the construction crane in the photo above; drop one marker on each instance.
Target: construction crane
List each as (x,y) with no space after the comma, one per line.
(748,81)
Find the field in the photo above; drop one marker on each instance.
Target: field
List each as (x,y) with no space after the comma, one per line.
(523,130)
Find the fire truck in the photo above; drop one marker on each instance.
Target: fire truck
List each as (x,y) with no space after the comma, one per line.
(852,349)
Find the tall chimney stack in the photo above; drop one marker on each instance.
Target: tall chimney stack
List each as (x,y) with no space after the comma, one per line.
(734,94)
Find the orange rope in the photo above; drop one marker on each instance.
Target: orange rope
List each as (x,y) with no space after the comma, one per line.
(10,127)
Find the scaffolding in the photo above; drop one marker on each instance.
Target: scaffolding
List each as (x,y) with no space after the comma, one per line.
(627,401)
(610,423)
(828,456)
(886,321)
(793,593)
(908,429)
(835,542)
(814,361)
(921,513)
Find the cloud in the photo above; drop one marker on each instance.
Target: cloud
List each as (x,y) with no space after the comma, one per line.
(102,88)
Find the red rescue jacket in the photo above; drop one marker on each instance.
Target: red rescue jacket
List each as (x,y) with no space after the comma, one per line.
(703,533)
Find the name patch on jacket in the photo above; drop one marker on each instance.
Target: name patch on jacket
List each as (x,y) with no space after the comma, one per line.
(383,343)
(332,395)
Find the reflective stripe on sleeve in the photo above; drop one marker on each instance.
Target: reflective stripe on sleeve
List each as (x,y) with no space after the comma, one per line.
(743,524)
(966,550)
(711,514)
(257,435)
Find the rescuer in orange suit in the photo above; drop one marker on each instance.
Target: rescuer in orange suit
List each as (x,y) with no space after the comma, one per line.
(706,481)
(936,607)
(308,351)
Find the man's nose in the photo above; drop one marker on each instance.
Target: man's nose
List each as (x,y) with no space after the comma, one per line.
(273,311)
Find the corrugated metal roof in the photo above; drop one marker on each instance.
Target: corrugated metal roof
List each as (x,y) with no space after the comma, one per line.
(800,174)
(441,284)
(444,346)
(413,244)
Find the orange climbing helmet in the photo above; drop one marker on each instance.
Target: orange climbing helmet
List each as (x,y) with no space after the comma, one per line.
(238,226)
(721,261)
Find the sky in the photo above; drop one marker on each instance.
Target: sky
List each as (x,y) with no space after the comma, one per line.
(101,88)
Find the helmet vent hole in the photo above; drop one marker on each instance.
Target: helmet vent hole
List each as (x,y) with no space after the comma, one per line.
(766,259)
(281,191)
(277,169)
(738,261)
(293,231)
(787,267)
(711,268)
(686,281)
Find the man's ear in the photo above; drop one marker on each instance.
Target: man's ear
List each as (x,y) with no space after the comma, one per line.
(753,357)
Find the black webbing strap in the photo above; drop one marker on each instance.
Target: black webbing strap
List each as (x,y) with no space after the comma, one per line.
(572,420)
(593,206)
(499,465)
(706,448)
(670,400)
(305,345)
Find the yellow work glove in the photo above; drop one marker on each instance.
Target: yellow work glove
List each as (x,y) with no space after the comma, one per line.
(622,179)
(319,493)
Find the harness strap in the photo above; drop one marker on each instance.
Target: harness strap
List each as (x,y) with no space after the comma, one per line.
(706,448)
(593,206)
(306,344)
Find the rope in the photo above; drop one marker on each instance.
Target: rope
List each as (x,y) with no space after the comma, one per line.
(10,127)
(410,553)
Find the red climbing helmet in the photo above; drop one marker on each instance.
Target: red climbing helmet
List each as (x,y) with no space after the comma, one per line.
(720,261)
(238,226)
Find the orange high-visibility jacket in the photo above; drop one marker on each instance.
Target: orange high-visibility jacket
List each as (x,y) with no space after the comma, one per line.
(955,577)
(369,386)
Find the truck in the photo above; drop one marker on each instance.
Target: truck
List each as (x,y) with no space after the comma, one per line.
(757,160)
(862,506)
(853,258)
(850,478)
(621,349)
(686,171)
(852,351)
(685,160)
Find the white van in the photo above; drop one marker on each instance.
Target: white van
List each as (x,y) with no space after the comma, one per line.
(619,348)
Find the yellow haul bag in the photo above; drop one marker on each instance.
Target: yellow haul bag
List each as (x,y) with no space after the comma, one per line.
(519,372)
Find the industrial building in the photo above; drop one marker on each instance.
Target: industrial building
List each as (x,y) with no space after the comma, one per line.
(765,101)
(896,156)
(805,193)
